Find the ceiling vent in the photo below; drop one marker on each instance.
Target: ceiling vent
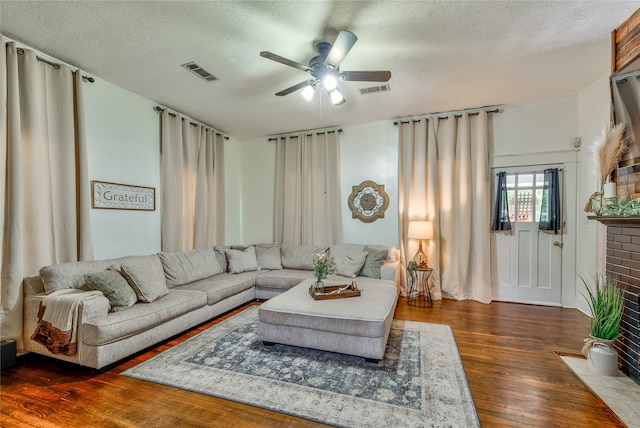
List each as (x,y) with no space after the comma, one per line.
(375,89)
(199,71)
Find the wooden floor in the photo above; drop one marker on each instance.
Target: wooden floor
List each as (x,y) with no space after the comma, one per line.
(507,350)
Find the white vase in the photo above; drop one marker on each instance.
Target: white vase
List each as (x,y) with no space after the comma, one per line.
(609,190)
(602,359)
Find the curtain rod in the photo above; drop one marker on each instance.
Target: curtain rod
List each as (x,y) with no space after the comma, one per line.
(445,117)
(339,131)
(56,66)
(159,109)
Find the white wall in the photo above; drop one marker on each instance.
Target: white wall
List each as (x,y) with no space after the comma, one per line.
(123,143)
(594,102)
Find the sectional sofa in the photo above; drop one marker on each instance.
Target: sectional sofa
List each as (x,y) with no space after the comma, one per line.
(148,299)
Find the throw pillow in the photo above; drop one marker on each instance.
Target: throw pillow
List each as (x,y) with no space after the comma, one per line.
(242,261)
(183,267)
(348,261)
(375,260)
(146,276)
(114,287)
(268,257)
(222,258)
(300,256)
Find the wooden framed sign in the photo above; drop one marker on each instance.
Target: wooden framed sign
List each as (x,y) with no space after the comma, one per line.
(115,196)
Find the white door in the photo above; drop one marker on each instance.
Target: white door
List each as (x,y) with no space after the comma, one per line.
(528,262)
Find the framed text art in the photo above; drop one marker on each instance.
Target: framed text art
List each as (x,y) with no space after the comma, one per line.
(115,196)
(368,201)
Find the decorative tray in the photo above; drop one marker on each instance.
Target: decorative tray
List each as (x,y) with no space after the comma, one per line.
(336,291)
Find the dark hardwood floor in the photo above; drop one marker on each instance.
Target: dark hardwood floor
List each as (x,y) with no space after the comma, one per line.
(508,352)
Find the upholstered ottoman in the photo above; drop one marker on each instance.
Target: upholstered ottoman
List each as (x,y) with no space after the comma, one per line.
(355,325)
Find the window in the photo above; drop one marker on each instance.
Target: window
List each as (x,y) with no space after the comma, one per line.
(524,193)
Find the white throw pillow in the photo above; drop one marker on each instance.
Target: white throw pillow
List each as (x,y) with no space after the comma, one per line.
(348,262)
(146,276)
(268,257)
(242,261)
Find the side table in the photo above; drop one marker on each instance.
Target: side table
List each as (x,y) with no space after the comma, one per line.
(419,294)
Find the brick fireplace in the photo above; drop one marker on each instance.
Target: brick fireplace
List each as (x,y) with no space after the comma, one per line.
(623,264)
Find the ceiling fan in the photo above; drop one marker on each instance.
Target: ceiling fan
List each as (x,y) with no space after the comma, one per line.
(325,69)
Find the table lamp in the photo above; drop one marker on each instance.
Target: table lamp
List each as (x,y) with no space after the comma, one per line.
(419,229)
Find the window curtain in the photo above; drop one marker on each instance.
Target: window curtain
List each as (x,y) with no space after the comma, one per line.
(501,210)
(44,185)
(444,177)
(307,198)
(192,179)
(550,216)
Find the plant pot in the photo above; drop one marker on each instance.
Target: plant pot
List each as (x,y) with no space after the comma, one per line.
(602,359)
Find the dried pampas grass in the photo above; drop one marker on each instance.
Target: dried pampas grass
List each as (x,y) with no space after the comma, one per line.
(609,148)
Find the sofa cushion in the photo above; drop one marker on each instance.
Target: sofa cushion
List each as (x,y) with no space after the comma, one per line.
(281,279)
(242,260)
(221,286)
(146,276)
(120,325)
(70,275)
(349,260)
(392,252)
(300,256)
(187,266)
(114,287)
(269,257)
(374,261)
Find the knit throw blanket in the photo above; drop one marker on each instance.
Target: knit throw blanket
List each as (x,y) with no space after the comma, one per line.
(58,320)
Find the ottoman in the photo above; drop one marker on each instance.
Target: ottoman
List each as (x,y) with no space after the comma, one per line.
(355,325)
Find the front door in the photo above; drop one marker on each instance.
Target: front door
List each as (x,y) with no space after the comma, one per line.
(528,261)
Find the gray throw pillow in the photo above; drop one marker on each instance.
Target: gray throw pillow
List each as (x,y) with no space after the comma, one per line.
(269,257)
(242,261)
(145,276)
(348,259)
(375,260)
(222,258)
(114,287)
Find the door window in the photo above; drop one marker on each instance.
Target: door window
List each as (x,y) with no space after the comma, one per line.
(524,193)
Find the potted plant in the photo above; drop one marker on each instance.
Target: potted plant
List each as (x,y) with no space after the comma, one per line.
(606,304)
(323,266)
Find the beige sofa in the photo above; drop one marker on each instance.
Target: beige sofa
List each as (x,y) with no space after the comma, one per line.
(177,291)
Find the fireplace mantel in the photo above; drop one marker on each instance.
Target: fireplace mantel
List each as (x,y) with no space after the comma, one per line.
(617,220)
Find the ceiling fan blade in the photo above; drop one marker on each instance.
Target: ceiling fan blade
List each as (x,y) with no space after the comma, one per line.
(295,87)
(340,49)
(285,61)
(365,76)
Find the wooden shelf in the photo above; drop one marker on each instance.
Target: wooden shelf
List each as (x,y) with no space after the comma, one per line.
(617,220)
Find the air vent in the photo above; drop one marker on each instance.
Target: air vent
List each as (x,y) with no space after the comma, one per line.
(199,71)
(375,89)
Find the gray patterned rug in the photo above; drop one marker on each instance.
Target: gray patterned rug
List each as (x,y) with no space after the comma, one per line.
(419,383)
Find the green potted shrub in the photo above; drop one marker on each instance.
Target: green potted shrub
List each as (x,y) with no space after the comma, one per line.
(606,304)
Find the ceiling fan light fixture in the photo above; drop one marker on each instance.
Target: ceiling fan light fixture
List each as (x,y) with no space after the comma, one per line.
(336,97)
(308,92)
(329,82)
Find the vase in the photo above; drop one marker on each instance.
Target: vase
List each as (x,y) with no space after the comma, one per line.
(602,358)
(318,287)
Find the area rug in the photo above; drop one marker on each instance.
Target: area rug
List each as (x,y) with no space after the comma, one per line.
(419,383)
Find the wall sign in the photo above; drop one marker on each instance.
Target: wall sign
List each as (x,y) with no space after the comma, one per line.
(368,201)
(117,196)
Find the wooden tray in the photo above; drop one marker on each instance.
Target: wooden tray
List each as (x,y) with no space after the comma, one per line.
(329,288)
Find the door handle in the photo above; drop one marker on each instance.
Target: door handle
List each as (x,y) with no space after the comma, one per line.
(557,244)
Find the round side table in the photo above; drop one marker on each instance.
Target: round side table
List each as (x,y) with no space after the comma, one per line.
(419,294)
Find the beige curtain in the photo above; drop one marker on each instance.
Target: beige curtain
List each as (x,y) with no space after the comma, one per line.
(44,186)
(444,177)
(192,180)
(307,199)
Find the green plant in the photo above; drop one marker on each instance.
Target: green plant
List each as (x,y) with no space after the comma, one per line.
(323,266)
(412,265)
(606,304)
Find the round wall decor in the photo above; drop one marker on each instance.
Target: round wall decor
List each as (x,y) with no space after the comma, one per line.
(368,201)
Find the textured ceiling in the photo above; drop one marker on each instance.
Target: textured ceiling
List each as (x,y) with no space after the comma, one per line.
(443,55)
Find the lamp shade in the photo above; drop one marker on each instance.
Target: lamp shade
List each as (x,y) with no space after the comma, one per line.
(420,229)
